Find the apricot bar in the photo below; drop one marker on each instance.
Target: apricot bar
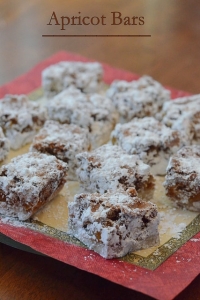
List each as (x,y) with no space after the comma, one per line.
(183,114)
(182,181)
(109,168)
(28,182)
(86,77)
(63,141)
(151,140)
(4,146)
(20,119)
(115,223)
(94,112)
(139,98)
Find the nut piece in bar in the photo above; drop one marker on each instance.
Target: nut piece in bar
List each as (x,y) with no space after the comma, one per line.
(182,181)
(64,141)
(28,182)
(109,168)
(183,114)
(115,223)
(150,139)
(140,98)
(4,146)
(94,112)
(20,119)
(86,77)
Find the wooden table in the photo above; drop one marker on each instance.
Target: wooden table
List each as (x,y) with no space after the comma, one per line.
(171,55)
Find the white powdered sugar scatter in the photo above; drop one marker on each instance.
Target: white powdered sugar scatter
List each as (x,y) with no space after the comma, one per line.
(110,168)
(150,139)
(4,146)
(86,77)
(94,112)
(195,240)
(182,182)
(168,224)
(28,182)
(114,223)
(183,114)
(20,119)
(139,98)
(64,141)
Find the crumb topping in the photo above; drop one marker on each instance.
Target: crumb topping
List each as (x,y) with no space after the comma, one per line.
(17,111)
(20,119)
(110,168)
(4,146)
(186,161)
(28,180)
(141,134)
(139,98)
(114,223)
(183,114)
(63,134)
(64,141)
(106,205)
(85,76)
(94,112)
(182,181)
(150,139)
(72,106)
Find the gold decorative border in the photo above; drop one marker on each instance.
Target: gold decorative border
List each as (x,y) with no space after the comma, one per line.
(156,258)
(150,262)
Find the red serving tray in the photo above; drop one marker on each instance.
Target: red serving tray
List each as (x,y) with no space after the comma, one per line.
(164,283)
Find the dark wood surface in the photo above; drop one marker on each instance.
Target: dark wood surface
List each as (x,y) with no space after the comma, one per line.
(171,55)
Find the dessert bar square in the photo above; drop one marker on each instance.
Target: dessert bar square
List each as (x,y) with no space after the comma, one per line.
(182,181)
(84,76)
(151,140)
(4,146)
(115,223)
(94,112)
(20,119)
(28,182)
(109,168)
(139,98)
(64,141)
(183,114)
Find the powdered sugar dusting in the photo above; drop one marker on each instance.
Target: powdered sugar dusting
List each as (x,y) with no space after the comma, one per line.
(29,181)
(94,112)
(64,141)
(195,240)
(110,168)
(20,119)
(152,141)
(183,114)
(168,224)
(182,181)
(113,224)
(4,146)
(139,98)
(84,76)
